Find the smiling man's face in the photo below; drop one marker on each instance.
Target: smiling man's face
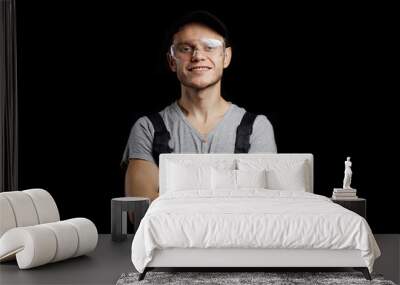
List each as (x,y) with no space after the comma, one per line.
(198,56)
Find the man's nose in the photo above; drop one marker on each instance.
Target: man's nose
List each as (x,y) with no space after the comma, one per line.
(197,55)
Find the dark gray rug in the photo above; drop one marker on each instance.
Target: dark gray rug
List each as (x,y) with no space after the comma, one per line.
(269,278)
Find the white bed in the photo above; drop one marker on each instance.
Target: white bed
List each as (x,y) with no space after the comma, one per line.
(247,210)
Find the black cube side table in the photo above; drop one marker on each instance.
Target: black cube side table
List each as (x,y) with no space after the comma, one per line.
(119,208)
(358,205)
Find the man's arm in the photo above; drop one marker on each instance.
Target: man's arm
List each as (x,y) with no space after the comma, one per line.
(262,138)
(141,180)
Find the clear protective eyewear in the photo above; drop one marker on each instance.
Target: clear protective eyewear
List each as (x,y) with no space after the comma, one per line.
(186,50)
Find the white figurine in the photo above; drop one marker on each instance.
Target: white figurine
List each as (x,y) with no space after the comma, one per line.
(347,174)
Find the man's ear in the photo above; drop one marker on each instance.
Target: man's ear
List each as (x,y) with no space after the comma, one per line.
(171,62)
(228,56)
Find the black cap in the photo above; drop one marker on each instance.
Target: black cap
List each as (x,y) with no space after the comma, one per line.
(202,17)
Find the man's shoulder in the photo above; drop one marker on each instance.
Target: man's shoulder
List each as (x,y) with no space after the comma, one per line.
(260,119)
(237,112)
(169,108)
(242,110)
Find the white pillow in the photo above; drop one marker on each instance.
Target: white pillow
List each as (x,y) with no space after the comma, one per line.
(223,179)
(282,174)
(183,178)
(251,178)
(236,179)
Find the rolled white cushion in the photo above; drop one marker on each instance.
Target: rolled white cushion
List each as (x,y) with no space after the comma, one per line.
(33,245)
(23,208)
(7,218)
(40,244)
(87,234)
(26,208)
(45,205)
(67,239)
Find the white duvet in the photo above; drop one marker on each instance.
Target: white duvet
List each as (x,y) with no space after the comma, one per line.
(251,218)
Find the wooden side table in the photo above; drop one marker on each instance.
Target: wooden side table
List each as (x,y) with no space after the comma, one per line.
(119,209)
(358,205)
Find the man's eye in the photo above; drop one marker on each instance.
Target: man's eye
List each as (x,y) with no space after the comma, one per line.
(210,48)
(185,49)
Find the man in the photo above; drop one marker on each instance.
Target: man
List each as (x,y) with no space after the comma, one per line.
(201,121)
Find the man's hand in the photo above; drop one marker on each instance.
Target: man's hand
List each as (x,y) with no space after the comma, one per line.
(141,180)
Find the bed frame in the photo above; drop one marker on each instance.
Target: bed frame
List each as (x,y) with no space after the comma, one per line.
(243,259)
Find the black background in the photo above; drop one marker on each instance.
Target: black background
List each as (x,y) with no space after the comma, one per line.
(88,70)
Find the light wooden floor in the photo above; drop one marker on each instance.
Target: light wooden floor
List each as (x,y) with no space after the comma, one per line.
(110,260)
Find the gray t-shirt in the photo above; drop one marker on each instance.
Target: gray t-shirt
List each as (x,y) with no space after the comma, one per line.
(186,139)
